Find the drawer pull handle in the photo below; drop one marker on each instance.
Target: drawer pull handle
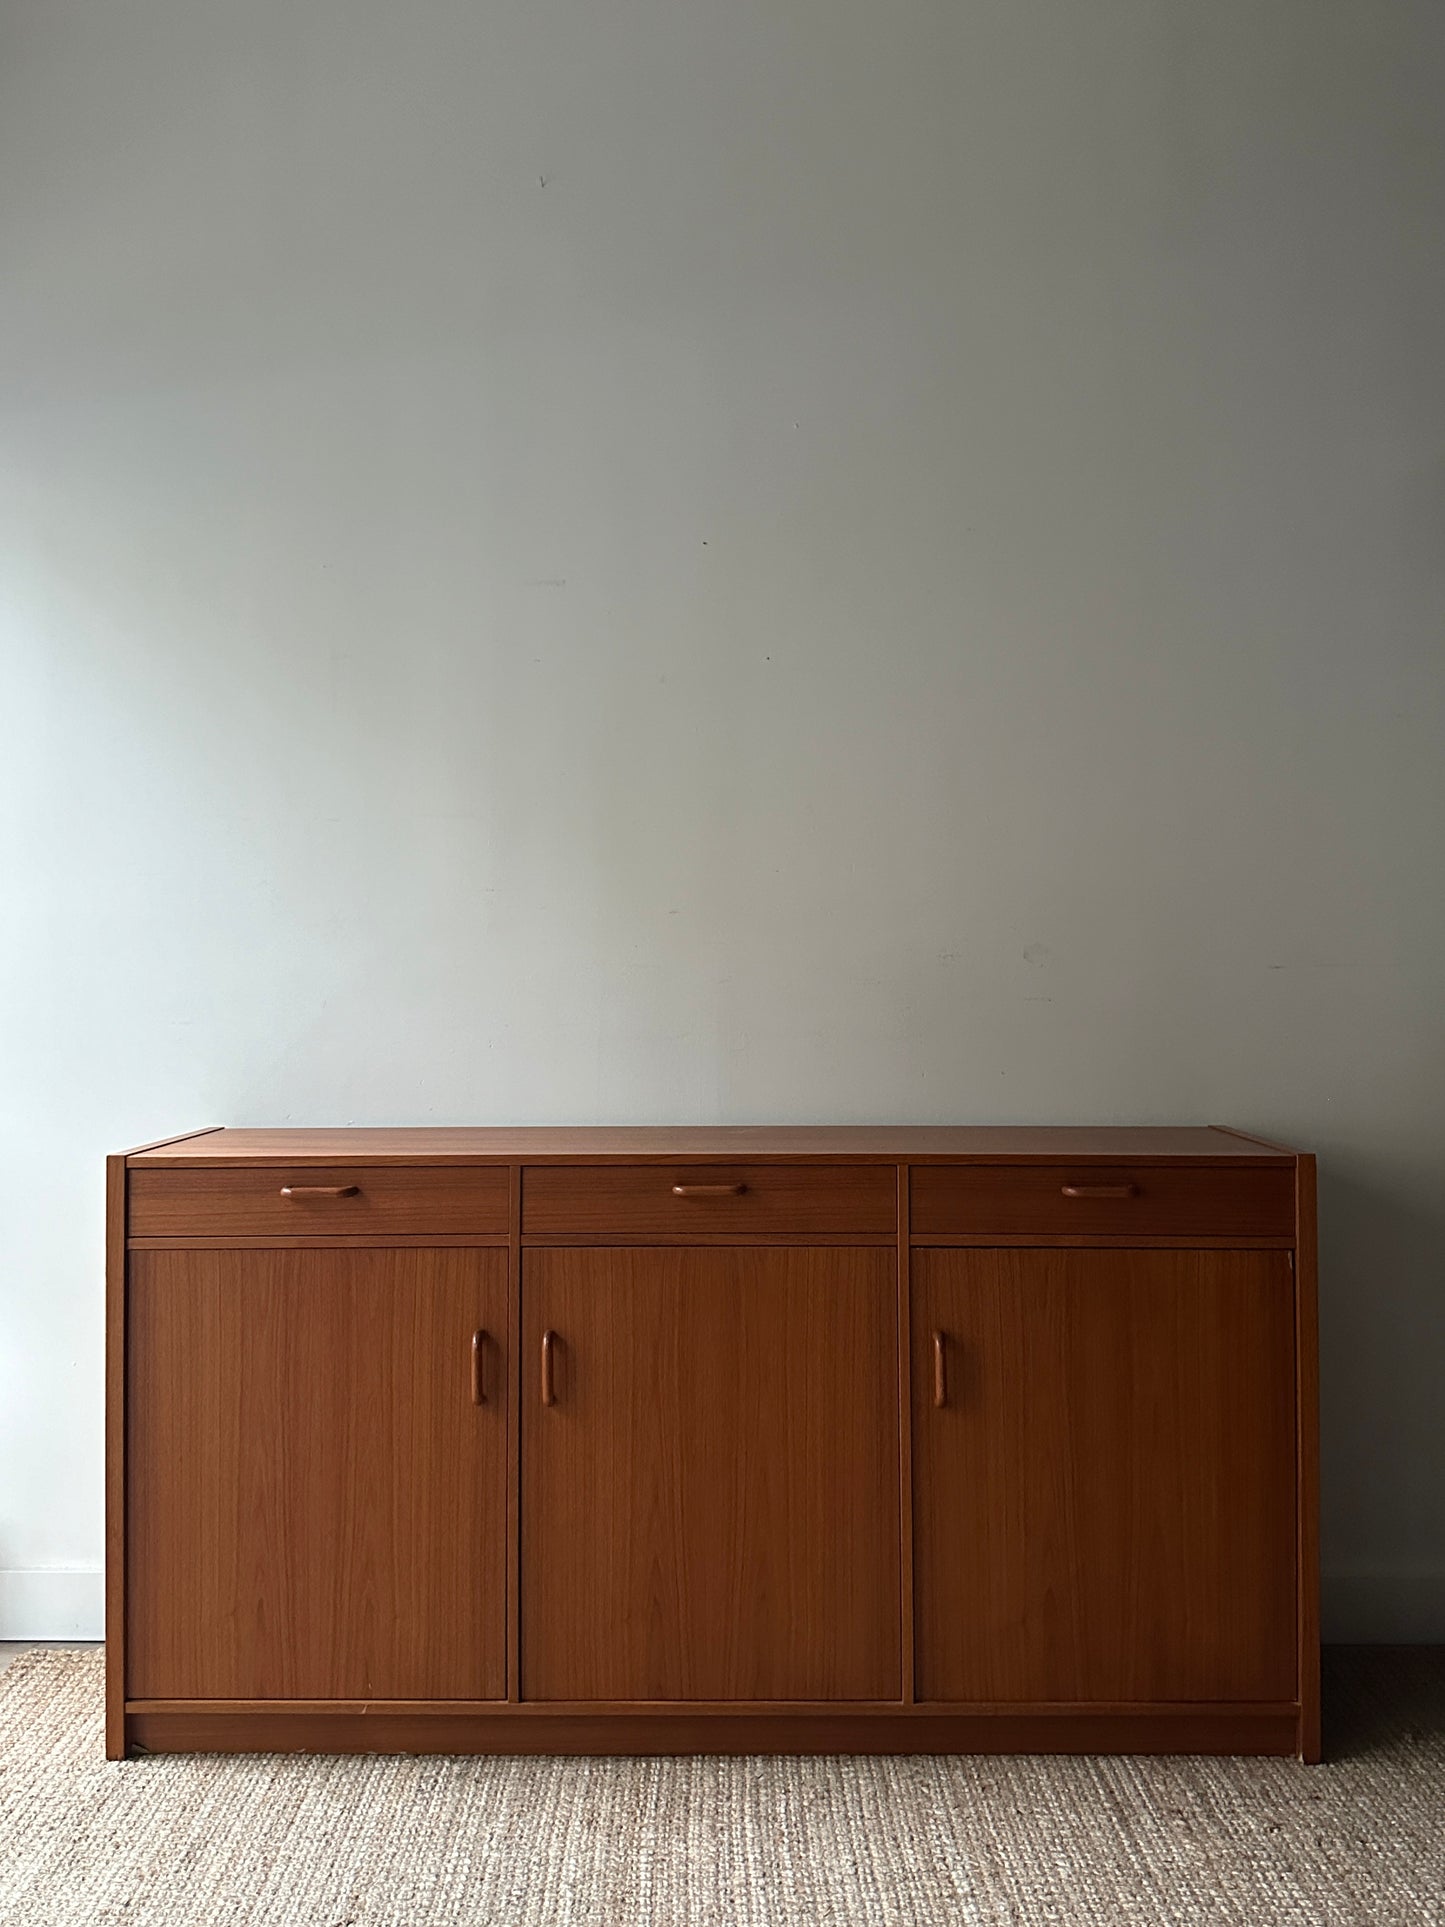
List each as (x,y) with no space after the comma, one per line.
(708,1190)
(479,1351)
(319,1190)
(1101,1190)
(940,1371)
(549,1390)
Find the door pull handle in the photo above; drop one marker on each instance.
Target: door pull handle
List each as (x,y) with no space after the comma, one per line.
(549,1390)
(479,1357)
(940,1371)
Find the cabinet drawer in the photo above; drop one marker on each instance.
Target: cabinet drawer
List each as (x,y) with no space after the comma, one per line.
(676,1203)
(1102,1200)
(311,1201)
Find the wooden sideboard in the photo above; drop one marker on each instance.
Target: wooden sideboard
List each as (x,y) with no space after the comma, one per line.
(712,1440)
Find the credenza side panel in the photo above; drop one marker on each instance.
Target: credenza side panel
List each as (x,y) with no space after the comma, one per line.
(316,1500)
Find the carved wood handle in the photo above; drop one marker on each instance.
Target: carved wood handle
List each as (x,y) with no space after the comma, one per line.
(549,1390)
(479,1351)
(940,1372)
(708,1190)
(320,1190)
(1101,1190)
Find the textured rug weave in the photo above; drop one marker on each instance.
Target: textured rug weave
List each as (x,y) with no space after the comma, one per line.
(402,1842)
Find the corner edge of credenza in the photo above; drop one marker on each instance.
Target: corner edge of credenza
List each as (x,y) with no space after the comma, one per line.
(1307,1422)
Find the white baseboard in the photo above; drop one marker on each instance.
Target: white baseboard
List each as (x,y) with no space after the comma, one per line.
(1401,1606)
(1405,1606)
(56,1603)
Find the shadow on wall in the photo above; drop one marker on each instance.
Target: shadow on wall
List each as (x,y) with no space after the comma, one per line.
(1382,1322)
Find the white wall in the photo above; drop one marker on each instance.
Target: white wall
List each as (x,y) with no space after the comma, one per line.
(725,559)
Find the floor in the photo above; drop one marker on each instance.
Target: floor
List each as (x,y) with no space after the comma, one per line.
(11,1649)
(185,1841)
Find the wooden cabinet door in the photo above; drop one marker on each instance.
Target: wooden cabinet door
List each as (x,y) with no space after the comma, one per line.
(1104,1500)
(710,1500)
(315,1498)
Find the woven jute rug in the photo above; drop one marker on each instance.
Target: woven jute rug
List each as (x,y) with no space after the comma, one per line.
(402,1842)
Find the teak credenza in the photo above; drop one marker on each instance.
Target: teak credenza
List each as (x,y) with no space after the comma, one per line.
(734,1440)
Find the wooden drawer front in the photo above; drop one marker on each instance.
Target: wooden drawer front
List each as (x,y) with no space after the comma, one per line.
(677,1203)
(322,1202)
(1000,1200)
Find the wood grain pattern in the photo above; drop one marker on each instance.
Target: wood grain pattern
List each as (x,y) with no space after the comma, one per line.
(710,1508)
(636,1201)
(904,1355)
(709,1143)
(1105,1504)
(115,1262)
(743,1524)
(1113,1241)
(316,1508)
(317,1241)
(535,1711)
(252,1203)
(543,1731)
(1307,1352)
(115,1519)
(514,1431)
(1132,1200)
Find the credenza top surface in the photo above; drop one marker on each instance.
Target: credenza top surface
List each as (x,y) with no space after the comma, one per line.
(486,1144)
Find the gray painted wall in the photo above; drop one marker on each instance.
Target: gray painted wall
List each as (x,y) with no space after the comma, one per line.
(661,559)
